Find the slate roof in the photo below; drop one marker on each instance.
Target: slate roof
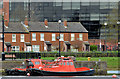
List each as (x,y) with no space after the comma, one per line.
(15,27)
(40,27)
(54,27)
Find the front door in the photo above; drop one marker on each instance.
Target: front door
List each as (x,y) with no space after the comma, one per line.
(8,48)
(68,48)
(48,47)
(28,48)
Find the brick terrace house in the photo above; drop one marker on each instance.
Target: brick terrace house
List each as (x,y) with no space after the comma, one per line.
(44,36)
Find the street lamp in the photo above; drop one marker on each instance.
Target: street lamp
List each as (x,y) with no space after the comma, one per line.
(59,36)
(3,54)
(105,36)
(118,39)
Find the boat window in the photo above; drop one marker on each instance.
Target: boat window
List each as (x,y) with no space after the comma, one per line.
(67,63)
(71,63)
(30,63)
(37,63)
(64,63)
(60,63)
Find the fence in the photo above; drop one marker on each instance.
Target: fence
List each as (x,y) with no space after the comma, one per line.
(26,55)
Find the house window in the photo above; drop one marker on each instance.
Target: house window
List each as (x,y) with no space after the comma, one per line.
(80,37)
(72,37)
(13,37)
(53,37)
(35,48)
(33,36)
(61,37)
(42,36)
(15,48)
(22,37)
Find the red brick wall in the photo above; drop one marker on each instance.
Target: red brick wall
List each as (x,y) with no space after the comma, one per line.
(8,38)
(6,9)
(47,37)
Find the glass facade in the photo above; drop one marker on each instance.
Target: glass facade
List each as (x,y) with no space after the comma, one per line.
(91,14)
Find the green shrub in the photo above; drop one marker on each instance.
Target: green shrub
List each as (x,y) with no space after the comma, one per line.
(93,48)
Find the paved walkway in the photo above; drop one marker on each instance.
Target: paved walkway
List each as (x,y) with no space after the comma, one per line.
(60,77)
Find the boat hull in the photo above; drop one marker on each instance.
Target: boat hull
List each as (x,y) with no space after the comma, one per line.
(15,72)
(36,72)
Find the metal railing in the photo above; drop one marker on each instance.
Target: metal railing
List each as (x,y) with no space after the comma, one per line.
(27,55)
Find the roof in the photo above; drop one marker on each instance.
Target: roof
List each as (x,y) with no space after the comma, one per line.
(54,27)
(40,27)
(15,27)
(67,42)
(28,43)
(7,44)
(48,42)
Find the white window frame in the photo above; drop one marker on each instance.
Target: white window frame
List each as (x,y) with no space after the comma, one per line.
(42,37)
(16,48)
(61,37)
(53,37)
(22,38)
(36,48)
(13,37)
(81,37)
(33,36)
(72,37)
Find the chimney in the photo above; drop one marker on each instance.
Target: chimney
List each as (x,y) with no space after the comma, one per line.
(46,23)
(65,23)
(26,21)
(6,23)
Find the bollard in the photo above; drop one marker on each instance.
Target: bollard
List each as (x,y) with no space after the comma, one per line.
(89,58)
(114,76)
(3,56)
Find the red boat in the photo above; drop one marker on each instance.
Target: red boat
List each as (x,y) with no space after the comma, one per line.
(64,66)
(23,69)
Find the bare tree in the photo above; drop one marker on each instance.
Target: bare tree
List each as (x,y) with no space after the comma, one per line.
(111,28)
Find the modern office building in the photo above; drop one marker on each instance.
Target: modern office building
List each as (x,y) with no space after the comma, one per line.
(91,13)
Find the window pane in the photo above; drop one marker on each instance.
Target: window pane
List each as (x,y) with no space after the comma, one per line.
(75,5)
(14,38)
(35,48)
(72,37)
(61,37)
(42,36)
(53,37)
(66,5)
(22,37)
(34,37)
(80,37)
